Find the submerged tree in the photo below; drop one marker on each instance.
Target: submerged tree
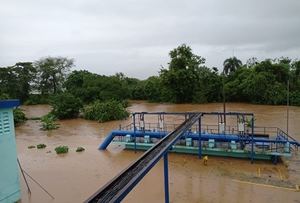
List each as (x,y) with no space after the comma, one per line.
(65,106)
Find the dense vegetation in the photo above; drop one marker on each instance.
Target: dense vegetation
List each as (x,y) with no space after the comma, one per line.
(65,105)
(186,79)
(61,149)
(105,111)
(19,116)
(48,122)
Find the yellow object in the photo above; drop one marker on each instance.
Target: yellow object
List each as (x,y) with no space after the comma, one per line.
(205,160)
(258,171)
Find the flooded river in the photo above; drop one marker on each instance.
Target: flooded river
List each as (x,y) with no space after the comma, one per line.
(75,176)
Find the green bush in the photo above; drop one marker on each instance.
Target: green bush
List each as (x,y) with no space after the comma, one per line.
(19,116)
(31,147)
(105,111)
(62,149)
(48,122)
(295,98)
(80,149)
(4,96)
(41,146)
(37,99)
(125,103)
(65,106)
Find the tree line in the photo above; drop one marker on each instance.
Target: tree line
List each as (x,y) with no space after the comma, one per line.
(186,79)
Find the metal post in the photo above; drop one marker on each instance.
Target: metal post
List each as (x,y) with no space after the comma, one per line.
(252,144)
(218,124)
(166,177)
(200,147)
(134,135)
(224,100)
(21,169)
(287,106)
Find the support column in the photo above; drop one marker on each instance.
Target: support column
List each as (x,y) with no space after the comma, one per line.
(134,135)
(166,178)
(200,147)
(252,135)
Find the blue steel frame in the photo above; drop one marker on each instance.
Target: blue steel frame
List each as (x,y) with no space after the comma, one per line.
(165,154)
(166,178)
(236,114)
(251,139)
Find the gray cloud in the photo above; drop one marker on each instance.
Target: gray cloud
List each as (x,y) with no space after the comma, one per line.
(135,36)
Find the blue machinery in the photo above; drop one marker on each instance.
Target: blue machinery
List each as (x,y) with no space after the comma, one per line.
(243,140)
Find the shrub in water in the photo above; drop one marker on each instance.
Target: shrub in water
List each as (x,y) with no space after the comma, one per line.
(41,146)
(65,106)
(19,116)
(48,122)
(62,149)
(37,99)
(80,149)
(105,111)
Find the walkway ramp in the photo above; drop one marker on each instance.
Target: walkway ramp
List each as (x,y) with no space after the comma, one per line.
(123,183)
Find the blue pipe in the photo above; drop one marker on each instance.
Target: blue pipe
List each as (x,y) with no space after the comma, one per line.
(194,136)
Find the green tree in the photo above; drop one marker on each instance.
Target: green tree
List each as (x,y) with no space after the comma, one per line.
(153,88)
(90,87)
(209,87)
(296,68)
(52,72)
(231,65)
(16,81)
(26,75)
(181,78)
(65,106)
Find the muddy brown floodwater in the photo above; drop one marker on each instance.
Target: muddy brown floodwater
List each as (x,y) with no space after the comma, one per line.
(75,176)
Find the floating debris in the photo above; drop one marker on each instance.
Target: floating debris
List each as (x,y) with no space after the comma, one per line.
(41,146)
(62,149)
(80,149)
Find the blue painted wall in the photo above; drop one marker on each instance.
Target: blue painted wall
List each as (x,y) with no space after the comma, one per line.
(9,172)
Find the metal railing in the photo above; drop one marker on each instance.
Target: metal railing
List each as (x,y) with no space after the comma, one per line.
(207,128)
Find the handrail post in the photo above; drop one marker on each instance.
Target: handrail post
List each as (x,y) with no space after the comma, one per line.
(200,147)
(166,178)
(133,117)
(252,144)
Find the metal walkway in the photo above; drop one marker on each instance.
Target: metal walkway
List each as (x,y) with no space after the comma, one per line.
(123,183)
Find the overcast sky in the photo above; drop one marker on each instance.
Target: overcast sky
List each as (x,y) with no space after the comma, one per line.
(135,36)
